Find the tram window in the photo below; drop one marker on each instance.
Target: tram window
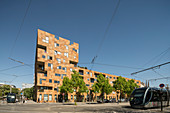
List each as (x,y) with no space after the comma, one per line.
(148,96)
(164,96)
(155,96)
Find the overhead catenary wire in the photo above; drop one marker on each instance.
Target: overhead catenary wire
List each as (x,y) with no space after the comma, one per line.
(158,73)
(159,79)
(157,66)
(15,74)
(162,53)
(105,33)
(11,68)
(30,65)
(19,31)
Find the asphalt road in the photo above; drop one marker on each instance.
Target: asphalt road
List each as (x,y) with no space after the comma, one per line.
(82,107)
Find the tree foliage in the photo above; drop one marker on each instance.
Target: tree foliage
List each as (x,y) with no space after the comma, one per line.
(5,89)
(123,86)
(102,86)
(107,87)
(130,86)
(66,86)
(75,83)
(78,82)
(29,92)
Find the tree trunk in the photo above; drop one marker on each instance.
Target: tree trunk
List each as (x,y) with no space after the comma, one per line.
(120,96)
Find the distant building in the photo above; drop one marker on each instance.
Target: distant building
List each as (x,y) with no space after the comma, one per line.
(142,85)
(13,86)
(25,85)
(55,59)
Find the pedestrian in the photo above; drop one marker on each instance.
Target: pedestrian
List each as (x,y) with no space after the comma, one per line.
(38,100)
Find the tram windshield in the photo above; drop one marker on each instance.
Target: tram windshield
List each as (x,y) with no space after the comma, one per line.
(137,96)
(139,92)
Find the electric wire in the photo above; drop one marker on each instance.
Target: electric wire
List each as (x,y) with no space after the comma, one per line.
(158,73)
(11,68)
(12,49)
(156,57)
(104,37)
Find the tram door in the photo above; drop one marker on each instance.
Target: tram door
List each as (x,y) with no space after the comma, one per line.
(148,96)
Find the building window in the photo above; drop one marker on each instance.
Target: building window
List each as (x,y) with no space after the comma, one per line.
(66,47)
(64,68)
(50,58)
(87,72)
(91,74)
(81,72)
(74,97)
(92,80)
(74,57)
(71,97)
(110,77)
(45,97)
(88,79)
(50,97)
(58,67)
(42,80)
(43,56)
(59,60)
(137,82)
(49,64)
(55,97)
(114,77)
(71,69)
(55,81)
(57,75)
(57,52)
(64,60)
(40,97)
(45,74)
(75,50)
(56,44)
(46,40)
(87,84)
(63,76)
(50,80)
(66,54)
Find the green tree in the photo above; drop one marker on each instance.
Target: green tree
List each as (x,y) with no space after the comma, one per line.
(29,92)
(66,86)
(78,84)
(15,90)
(130,86)
(119,85)
(5,89)
(102,86)
(107,87)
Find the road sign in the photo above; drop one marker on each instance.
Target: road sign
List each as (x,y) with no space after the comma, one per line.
(161,85)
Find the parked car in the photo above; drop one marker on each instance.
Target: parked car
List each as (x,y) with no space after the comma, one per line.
(112,100)
(123,100)
(106,101)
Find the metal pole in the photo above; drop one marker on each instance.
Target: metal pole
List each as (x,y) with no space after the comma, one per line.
(161,100)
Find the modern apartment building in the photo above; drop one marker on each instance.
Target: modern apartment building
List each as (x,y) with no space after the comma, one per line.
(55,59)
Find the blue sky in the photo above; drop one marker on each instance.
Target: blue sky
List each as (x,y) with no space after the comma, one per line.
(138,33)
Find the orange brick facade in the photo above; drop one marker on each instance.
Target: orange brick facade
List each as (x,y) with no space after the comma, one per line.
(55,58)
